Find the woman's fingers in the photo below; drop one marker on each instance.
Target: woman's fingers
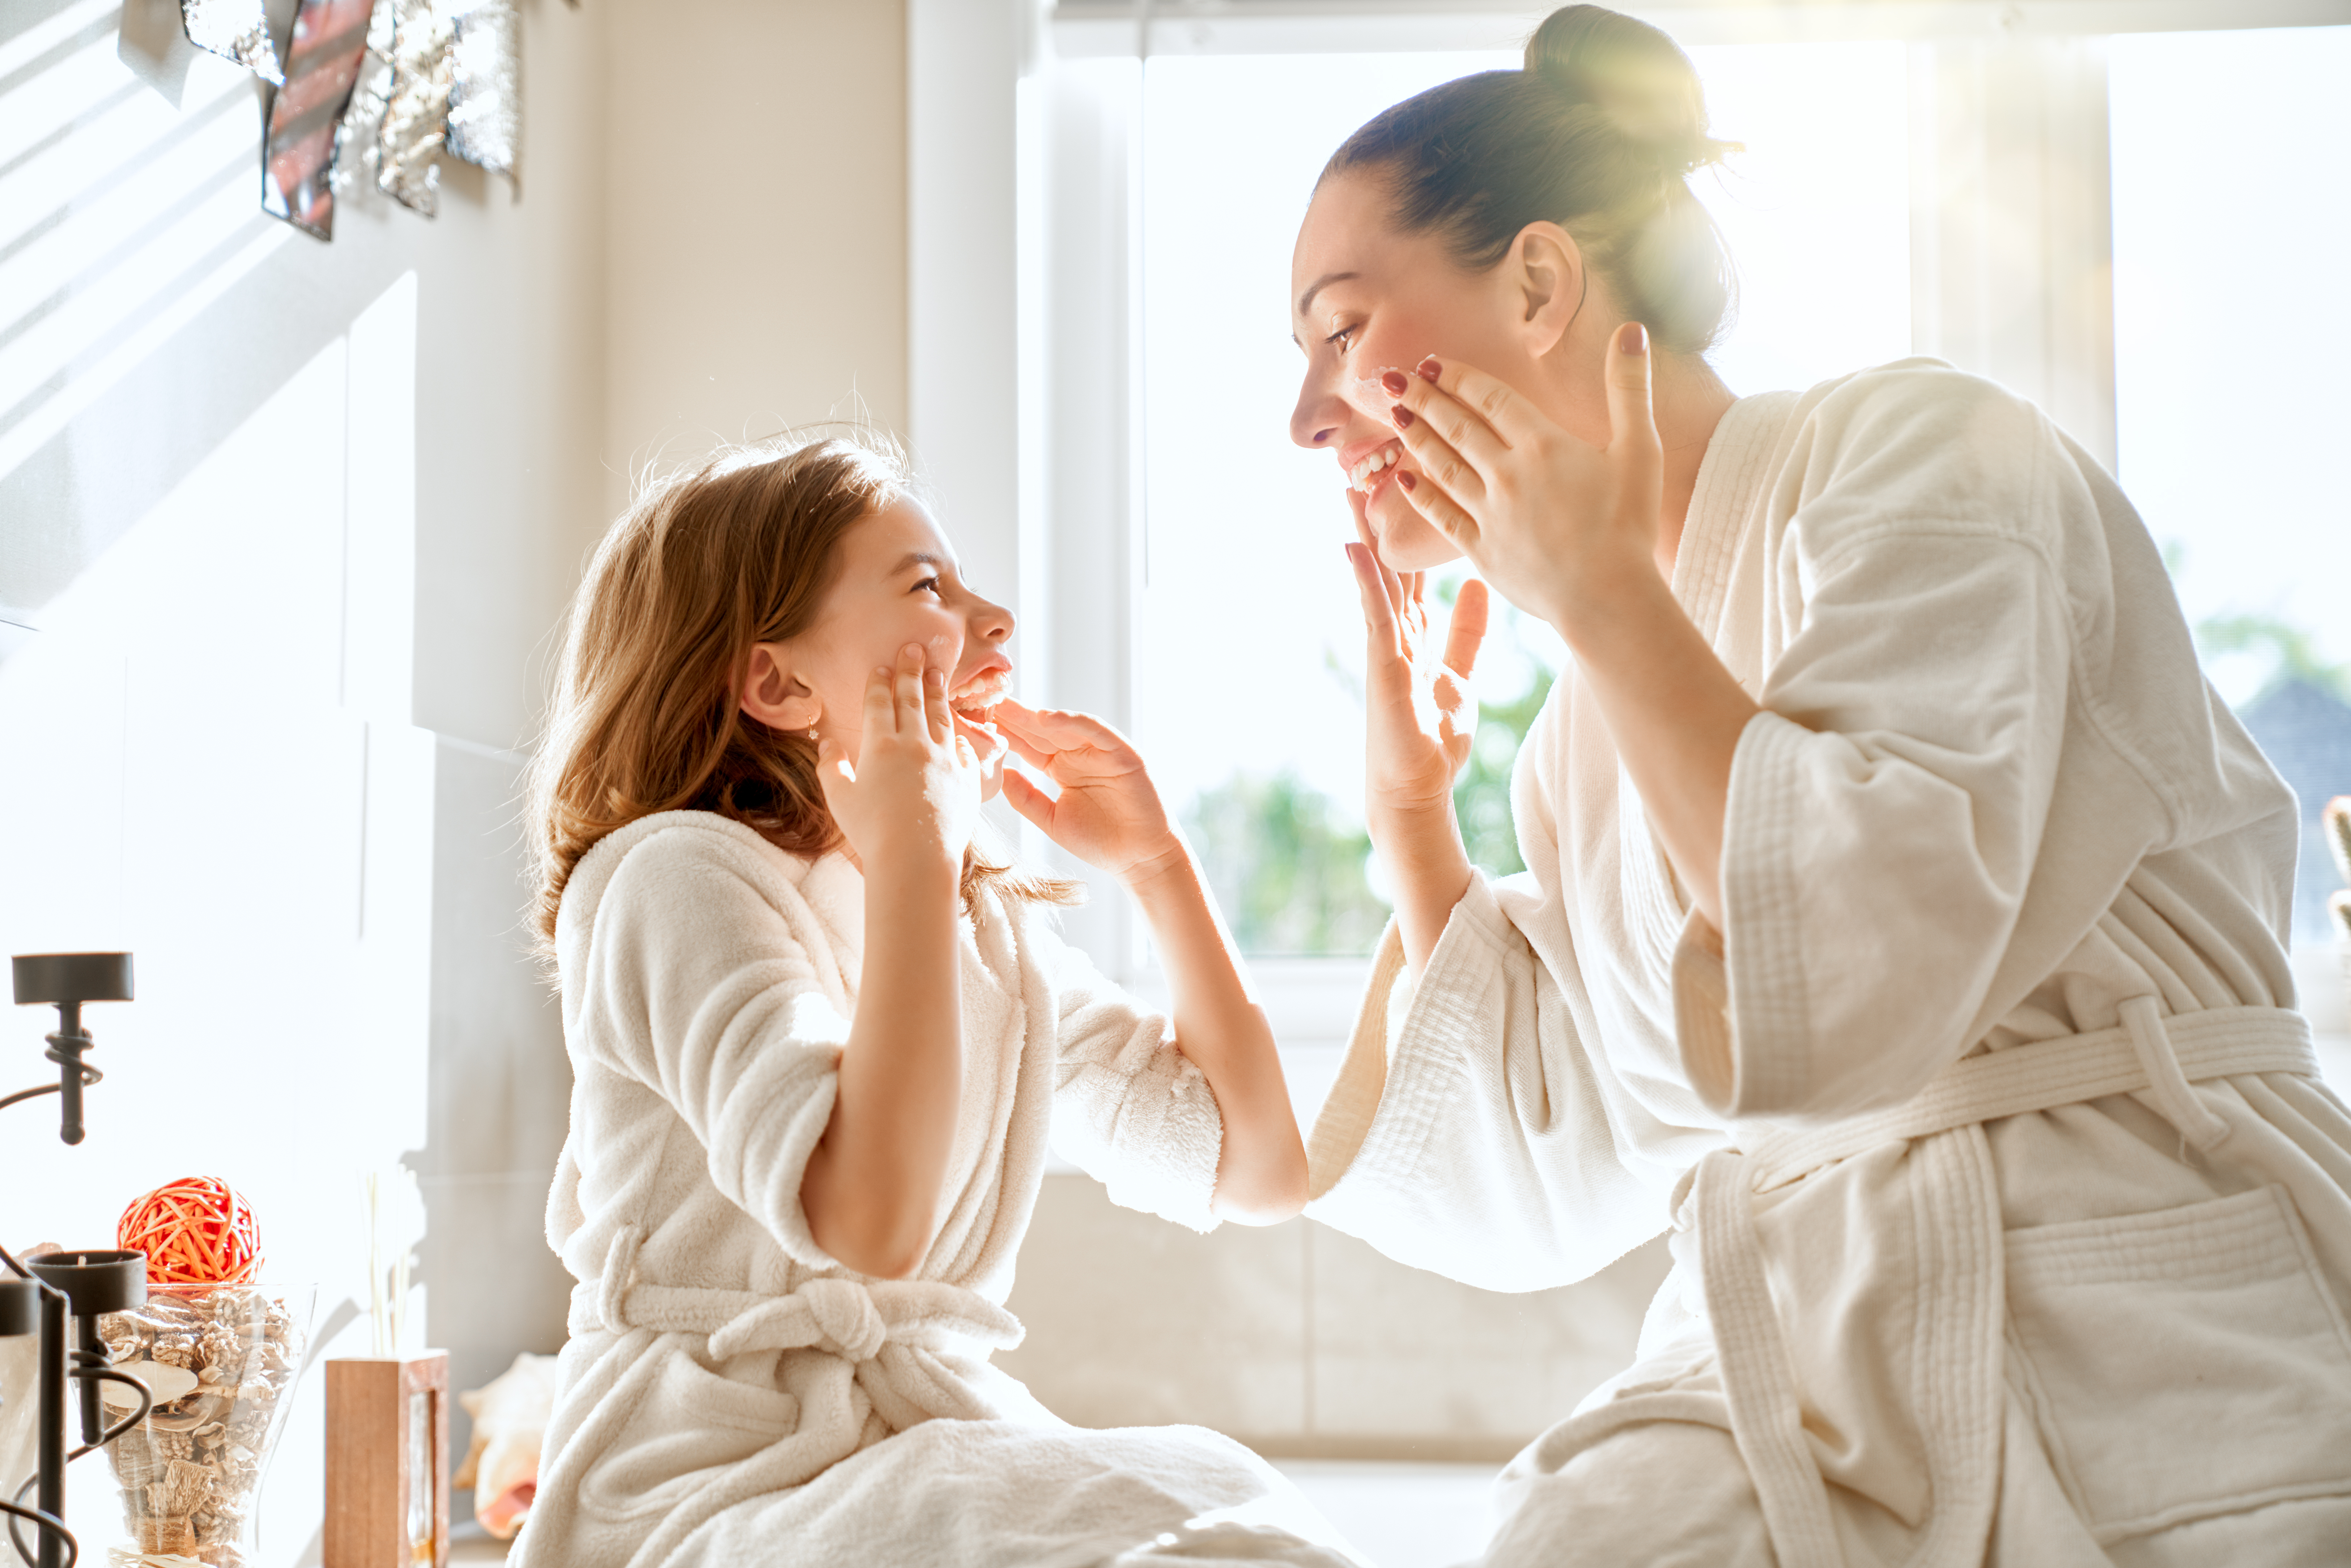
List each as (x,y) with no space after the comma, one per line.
(1466,633)
(1379,614)
(881,701)
(1632,420)
(1359,505)
(1437,448)
(1513,421)
(1444,513)
(1031,802)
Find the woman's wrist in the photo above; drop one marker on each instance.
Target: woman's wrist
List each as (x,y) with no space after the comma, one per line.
(1168,865)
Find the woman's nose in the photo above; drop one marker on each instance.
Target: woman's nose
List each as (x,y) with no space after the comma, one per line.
(992,622)
(1317,419)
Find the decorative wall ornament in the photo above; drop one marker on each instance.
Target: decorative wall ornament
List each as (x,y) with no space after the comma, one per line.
(359,153)
(235,30)
(485,87)
(416,121)
(329,40)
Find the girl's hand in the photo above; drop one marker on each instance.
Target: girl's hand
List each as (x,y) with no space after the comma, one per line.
(911,795)
(1420,718)
(1553,523)
(1108,813)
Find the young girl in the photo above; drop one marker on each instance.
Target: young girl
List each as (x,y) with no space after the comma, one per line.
(818,1039)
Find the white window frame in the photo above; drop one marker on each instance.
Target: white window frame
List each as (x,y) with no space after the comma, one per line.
(1024,276)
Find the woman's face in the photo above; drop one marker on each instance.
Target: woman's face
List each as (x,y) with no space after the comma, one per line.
(898,583)
(1365,299)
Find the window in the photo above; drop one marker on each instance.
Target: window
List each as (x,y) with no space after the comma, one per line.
(2036,207)
(2231,326)
(1247,641)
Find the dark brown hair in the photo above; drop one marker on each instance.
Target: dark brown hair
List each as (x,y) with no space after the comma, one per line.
(1598,134)
(646,716)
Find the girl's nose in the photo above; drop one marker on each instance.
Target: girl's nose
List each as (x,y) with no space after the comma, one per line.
(992,622)
(1320,415)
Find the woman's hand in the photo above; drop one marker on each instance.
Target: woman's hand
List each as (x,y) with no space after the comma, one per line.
(1560,527)
(1419,723)
(911,798)
(1108,813)
(1419,717)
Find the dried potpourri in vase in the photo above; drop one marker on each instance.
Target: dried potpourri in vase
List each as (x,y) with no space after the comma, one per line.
(221,1356)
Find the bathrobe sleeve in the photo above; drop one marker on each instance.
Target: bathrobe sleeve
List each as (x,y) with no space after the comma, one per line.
(1128,1108)
(718,1010)
(1468,1132)
(1886,809)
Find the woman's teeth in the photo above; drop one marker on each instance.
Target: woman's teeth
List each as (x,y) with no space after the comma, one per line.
(1360,475)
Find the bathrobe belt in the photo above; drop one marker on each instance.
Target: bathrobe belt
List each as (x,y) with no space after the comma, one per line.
(853,1318)
(1964,1318)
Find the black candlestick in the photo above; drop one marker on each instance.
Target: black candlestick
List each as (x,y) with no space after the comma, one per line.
(80,1285)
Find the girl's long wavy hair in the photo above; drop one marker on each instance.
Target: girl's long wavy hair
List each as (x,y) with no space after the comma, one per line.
(646,716)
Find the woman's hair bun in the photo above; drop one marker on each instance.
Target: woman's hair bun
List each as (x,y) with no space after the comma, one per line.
(1635,74)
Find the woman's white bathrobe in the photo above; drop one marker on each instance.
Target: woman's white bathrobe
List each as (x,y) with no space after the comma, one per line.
(2079,1297)
(721,1362)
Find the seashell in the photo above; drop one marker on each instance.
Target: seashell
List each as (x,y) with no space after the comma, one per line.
(166,1383)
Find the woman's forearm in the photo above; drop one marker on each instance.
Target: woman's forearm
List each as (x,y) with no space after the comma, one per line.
(1261,1169)
(1675,713)
(1430,866)
(873,1187)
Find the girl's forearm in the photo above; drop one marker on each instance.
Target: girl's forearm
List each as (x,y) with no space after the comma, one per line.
(873,1187)
(1675,713)
(1430,867)
(1261,1170)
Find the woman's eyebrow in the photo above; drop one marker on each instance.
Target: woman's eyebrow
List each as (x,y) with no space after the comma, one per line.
(1307,298)
(914,559)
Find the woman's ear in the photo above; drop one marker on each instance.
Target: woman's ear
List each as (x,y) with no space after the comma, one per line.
(1546,268)
(773,695)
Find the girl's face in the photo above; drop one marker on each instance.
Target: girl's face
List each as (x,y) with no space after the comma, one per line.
(1366,300)
(898,583)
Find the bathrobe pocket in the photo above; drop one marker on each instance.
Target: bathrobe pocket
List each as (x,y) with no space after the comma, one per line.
(2182,1364)
(684,1425)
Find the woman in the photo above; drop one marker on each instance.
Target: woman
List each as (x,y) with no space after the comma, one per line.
(1904,922)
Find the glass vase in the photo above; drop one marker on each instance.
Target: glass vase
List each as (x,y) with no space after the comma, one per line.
(222,1361)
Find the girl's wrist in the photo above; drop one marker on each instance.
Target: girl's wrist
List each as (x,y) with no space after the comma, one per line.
(1171,861)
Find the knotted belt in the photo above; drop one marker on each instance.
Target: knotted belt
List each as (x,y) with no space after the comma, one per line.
(2148,1054)
(853,1318)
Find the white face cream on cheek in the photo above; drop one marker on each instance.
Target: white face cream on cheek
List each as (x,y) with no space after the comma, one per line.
(1368,395)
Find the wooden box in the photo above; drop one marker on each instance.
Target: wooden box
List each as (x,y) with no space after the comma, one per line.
(388,1462)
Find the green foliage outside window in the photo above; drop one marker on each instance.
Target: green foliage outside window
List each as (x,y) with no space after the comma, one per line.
(1290,869)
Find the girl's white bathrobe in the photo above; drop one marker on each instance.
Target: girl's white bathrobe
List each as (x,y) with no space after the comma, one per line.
(2010,1224)
(721,1362)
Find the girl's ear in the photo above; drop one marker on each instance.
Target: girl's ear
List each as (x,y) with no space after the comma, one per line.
(1546,270)
(773,695)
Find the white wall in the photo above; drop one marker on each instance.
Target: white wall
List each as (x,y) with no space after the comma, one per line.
(284,530)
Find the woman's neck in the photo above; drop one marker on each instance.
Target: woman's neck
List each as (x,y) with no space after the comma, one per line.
(1689,401)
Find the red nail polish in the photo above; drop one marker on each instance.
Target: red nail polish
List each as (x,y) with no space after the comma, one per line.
(1430,369)
(1393,380)
(1632,338)
(1402,415)
(1407,480)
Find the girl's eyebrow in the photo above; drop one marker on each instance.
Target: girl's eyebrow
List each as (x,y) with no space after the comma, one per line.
(915,559)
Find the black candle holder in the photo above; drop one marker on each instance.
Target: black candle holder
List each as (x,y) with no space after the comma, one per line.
(80,1286)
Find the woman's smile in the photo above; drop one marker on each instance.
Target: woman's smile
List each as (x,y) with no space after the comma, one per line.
(1367,470)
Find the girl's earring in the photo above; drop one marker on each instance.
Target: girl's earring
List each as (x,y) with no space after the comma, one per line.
(811,732)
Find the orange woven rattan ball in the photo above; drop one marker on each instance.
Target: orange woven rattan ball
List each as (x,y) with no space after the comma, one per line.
(197,1230)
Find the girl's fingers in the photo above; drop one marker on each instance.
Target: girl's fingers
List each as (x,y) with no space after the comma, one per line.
(1632,420)
(1025,748)
(906,715)
(936,716)
(881,701)
(1466,633)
